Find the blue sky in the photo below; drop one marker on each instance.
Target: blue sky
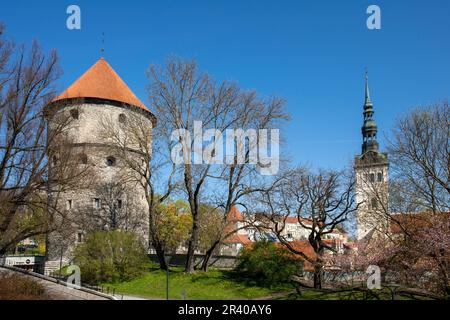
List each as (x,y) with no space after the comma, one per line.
(313,53)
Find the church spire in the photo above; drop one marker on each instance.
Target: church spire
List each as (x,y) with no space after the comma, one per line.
(369,129)
(367,98)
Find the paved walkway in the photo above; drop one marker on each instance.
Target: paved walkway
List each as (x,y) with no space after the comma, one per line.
(58,291)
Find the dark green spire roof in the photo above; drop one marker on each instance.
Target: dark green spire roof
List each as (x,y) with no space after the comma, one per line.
(369,129)
(367,101)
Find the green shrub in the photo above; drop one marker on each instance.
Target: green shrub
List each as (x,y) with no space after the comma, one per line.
(267,264)
(110,256)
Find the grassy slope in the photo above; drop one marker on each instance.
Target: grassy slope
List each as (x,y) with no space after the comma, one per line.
(214,284)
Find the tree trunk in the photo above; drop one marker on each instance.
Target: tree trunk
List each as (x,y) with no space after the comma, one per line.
(191,248)
(160,254)
(208,256)
(318,276)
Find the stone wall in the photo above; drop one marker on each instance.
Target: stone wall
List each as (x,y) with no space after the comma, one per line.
(221,262)
(78,205)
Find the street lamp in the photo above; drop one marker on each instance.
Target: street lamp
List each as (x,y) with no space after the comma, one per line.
(166,258)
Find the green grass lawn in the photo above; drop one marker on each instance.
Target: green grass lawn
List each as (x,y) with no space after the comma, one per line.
(224,285)
(213,285)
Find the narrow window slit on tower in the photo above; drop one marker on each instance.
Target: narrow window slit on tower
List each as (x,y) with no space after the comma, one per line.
(97,203)
(80,236)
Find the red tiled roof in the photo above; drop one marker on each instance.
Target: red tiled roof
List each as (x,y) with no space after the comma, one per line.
(350,245)
(238,238)
(305,247)
(291,219)
(414,221)
(101,81)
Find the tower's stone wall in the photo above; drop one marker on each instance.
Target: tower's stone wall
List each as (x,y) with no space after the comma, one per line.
(372,180)
(108,190)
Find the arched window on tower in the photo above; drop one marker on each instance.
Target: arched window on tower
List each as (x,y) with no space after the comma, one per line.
(122,118)
(380,176)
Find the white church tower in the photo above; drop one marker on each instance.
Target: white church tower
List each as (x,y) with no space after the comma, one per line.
(371,168)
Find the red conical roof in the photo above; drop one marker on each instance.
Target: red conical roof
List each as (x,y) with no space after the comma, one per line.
(234,215)
(101,81)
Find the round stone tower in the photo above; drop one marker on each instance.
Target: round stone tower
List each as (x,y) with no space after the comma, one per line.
(105,199)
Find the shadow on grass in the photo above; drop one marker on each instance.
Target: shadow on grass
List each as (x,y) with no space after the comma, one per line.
(252,281)
(349,294)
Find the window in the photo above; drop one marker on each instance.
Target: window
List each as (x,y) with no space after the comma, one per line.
(119,203)
(111,161)
(69,204)
(82,158)
(97,203)
(122,118)
(74,113)
(55,160)
(380,176)
(372,177)
(80,237)
(289,235)
(374,203)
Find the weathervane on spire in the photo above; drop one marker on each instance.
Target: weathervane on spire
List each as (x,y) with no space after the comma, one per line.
(102,50)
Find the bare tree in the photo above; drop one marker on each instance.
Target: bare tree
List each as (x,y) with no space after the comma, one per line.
(420,172)
(420,153)
(414,249)
(147,167)
(321,202)
(118,209)
(27,144)
(182,96)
